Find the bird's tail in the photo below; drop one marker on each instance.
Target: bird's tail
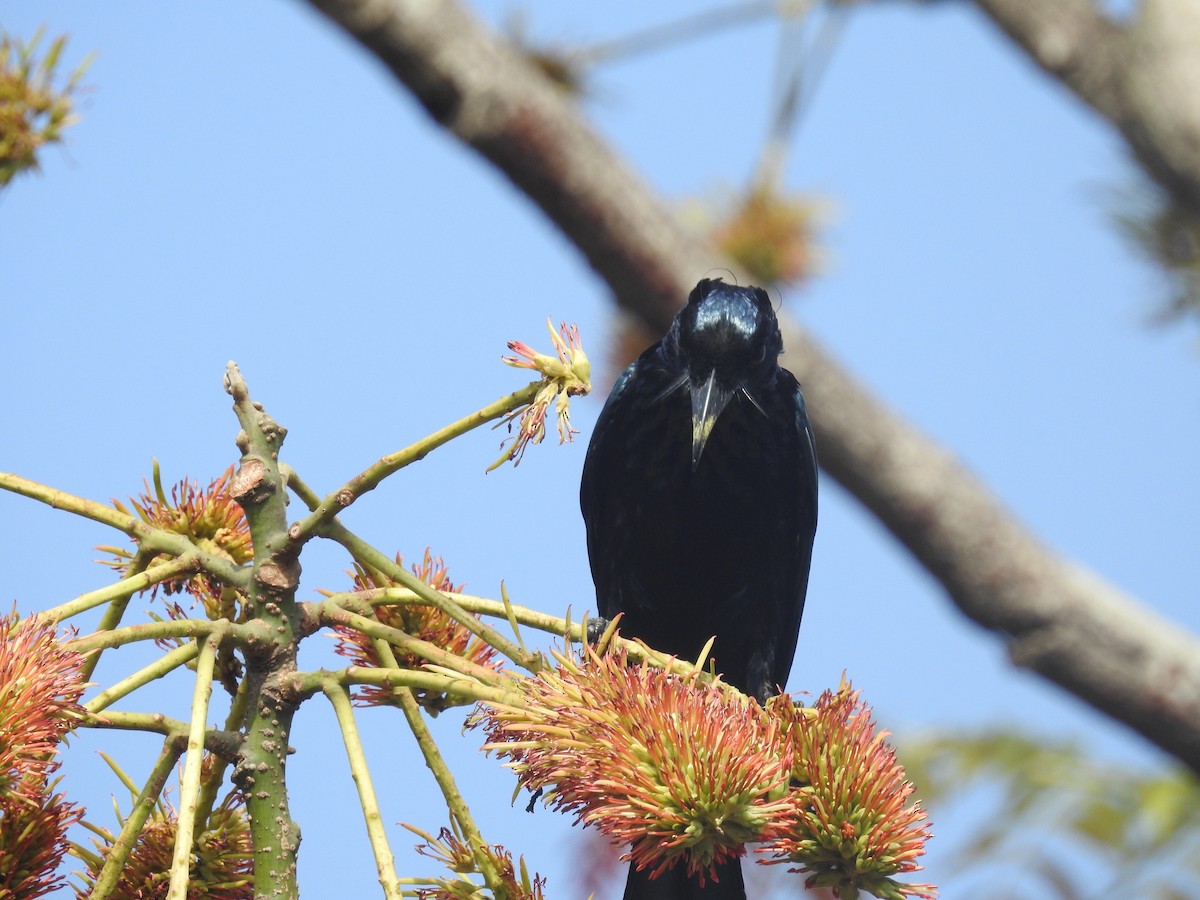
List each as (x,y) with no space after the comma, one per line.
(674,884)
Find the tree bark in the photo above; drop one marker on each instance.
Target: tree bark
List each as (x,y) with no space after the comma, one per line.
(1057,618)
(1143,77)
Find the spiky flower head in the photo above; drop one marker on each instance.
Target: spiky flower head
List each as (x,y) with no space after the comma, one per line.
(683,769)
(33,112)
(770,236)
(210,518)
(40,687)
(33,836)
(567,375)
(420,621)
(854,827)
(222,866)
(452,850)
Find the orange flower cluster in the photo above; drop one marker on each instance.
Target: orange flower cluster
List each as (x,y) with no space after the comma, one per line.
(40,687)
(222,858)
(33,838)
(687,772)
(682,770)
(210,518)
(854,826)
(420,621)
(454,853)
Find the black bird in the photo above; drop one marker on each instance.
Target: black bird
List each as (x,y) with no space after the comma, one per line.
(699,495)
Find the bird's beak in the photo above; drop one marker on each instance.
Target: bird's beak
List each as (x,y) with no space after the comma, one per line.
(708,400)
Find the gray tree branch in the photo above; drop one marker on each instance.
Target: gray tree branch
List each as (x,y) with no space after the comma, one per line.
(1143,76)
(1057,619)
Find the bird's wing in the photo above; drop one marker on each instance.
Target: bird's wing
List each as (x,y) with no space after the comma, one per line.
(806,436)
(600,467)
(803,526)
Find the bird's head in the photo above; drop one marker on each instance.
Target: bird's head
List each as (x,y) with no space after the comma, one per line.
(727,341)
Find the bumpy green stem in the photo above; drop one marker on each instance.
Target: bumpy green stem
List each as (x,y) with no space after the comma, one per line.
(271,659)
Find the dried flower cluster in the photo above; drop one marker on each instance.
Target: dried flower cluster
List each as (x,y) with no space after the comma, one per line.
(452,851)
(566,375)
(40,687)
(222,858)
(211,519)
(769,236)
(420,621)
(687,772)
(32,111)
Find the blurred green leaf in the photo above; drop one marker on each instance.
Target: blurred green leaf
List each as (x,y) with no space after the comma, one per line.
(33,112)
(1052,801)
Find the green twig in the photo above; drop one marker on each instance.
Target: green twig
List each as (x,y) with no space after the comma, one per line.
(385,863)
(551,624)
(459,810)
(108,622)
(225,744)
(118,853)
(154,631)
(123,589)
(133,721)
(400,596)
(369,556)
(459,687)
(89,509)
(157,669)
(189,788)
(406,642)
(367,480)
(113,615)
(216,777)
(121,775)
(148,537)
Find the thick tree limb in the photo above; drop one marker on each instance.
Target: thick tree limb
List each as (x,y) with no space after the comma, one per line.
(1058,619)
(1143,77)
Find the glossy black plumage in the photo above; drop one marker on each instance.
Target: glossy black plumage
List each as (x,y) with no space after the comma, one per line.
(700,498)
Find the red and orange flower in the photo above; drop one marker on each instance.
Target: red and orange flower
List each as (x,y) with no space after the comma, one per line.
(210,518)
(687,771)
(420,621)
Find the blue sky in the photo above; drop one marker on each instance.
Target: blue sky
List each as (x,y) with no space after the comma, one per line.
(247,184)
